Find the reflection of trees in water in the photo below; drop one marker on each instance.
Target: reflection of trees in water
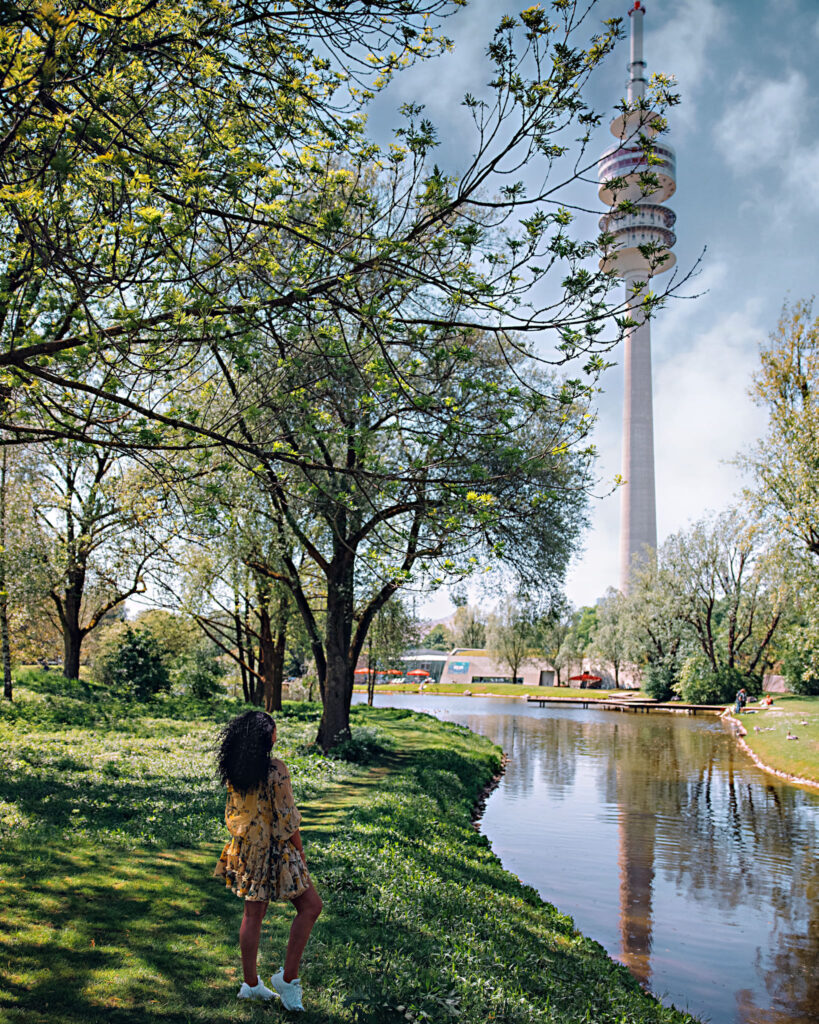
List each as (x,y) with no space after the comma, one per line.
(793,979)
(720,836)
(540,748)
(693,812)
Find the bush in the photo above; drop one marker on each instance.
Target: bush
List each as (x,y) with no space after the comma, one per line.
(200,672)
(659,682)
(699,684)
(304,688)
(134,666)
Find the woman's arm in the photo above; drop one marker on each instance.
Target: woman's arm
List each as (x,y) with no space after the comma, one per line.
(295,839)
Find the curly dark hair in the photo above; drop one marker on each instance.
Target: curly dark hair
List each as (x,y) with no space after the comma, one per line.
(243,755)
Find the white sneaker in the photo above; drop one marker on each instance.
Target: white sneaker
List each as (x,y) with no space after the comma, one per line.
(257,991)
(289,991)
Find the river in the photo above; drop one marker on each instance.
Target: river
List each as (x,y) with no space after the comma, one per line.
(666,844)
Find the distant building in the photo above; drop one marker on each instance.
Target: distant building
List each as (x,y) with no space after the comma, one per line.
(474,665)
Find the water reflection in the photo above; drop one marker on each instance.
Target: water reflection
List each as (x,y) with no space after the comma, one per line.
(667,845)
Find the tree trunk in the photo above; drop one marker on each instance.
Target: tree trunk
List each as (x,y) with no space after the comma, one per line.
(69,608)
(72,643)
(267,659)
(278,668)
(370,676)
(338,685)
(72,633)
(240,647)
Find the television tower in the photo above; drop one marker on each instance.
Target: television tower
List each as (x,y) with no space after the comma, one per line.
(649,223)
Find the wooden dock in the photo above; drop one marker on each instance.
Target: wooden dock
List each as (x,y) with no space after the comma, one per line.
(633,704)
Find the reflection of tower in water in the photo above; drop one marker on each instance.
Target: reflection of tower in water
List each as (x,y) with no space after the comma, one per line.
(642,780)
(636,863)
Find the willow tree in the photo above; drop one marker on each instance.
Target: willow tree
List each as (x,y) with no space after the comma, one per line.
(786,385)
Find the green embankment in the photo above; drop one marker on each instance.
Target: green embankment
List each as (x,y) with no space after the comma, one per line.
(767,735)
(111,826)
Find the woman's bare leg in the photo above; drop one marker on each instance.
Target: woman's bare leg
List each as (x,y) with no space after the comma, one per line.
(308,907)
(249,934)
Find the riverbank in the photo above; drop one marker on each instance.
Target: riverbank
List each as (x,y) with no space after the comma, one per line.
(764,736)
(110,832)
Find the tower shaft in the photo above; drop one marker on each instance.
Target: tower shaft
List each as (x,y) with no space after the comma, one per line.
(638,515)
(634,185)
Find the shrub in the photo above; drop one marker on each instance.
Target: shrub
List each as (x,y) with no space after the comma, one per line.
(800,660)
(659,682)
(304,688)
(699,684)
(200,671)
(134,666)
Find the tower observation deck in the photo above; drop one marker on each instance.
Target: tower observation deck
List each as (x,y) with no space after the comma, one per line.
(642,233)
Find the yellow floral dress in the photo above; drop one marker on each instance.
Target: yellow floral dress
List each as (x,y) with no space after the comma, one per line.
(261,861)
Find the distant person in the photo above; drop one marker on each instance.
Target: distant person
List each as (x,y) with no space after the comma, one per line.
(264,859)
(741,700)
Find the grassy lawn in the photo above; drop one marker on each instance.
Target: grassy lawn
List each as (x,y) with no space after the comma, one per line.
(110,829)
(496,689)
(767,731)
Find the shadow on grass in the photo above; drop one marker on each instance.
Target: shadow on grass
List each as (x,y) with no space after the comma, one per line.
(125,936)
(419,916)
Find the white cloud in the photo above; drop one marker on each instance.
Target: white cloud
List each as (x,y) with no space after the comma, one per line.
(763,125)
(679,45)
(704,417)
(770,129)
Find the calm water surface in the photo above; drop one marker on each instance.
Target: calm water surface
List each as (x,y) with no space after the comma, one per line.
(666,844)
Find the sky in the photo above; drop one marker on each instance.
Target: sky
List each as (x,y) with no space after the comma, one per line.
(746,136)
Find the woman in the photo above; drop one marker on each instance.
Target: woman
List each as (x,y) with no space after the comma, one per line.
(264,859)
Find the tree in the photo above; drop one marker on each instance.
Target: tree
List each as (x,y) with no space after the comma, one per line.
(552,632)
(578,641)
(393,630)
(131,150)
(354,326)
(786,386)
(800,657)
(134,666)
(230,589)
(729,590)
(438,639)
(468,628)
(511,635)
(100,525)
(661,637)
(612,638)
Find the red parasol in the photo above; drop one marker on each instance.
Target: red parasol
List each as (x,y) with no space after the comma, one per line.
(418,672)
(379,672)
(586,677)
